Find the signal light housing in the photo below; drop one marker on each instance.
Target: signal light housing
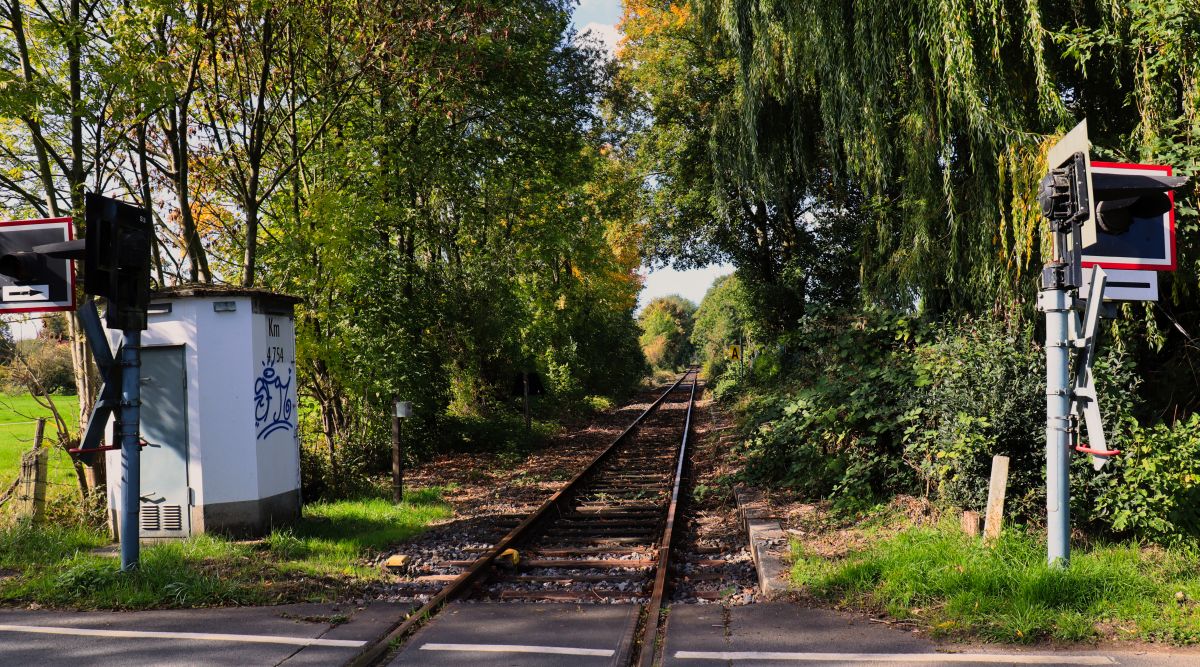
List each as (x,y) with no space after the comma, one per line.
(117,259)
(1121,198)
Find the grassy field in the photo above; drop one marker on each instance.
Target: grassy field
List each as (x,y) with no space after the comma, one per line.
(17,415)
(326,555)
(938,578)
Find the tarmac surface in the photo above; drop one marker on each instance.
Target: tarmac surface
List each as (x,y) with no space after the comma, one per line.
(780,633)
(291,635)
(506,635)
(529,635)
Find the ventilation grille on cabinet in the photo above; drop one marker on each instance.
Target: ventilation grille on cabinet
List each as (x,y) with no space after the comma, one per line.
(151,519)
(172,517)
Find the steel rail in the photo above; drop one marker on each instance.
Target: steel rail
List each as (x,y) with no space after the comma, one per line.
(647,648)
(375,650)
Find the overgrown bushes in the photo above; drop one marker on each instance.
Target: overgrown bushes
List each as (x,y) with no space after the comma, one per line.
(1154,488)
(858,407)
(837,434)
(45,365)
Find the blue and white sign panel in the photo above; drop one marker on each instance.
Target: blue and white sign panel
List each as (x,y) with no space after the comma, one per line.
(51,288)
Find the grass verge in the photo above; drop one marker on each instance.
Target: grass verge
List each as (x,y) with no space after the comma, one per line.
(937,577)
(325,555)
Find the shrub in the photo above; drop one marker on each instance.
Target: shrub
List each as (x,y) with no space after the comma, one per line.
(881,404)
(1153,487)
(979,391)
(49,361)
(838,434)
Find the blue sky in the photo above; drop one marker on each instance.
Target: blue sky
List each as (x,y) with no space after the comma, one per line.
(601,16)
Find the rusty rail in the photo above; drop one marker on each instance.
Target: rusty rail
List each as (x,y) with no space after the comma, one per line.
(372,652)
(647,647)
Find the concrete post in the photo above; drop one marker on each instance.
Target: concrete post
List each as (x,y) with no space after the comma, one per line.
(131,455)
(997,488)
(1056,304)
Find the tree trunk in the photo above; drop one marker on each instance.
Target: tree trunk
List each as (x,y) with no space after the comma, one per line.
(147,200)
(177,131)
(251,256)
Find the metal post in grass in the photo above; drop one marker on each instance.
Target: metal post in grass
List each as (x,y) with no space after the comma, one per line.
(1055,303)
(1065,196)
(131,454)
(402,410)
(1091,211)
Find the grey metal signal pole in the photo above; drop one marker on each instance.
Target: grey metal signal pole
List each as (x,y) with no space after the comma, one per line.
(1056,303)
(131,455)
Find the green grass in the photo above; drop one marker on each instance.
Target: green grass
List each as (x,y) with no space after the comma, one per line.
(17,414)
(323,556)
(940,578)
(335,537)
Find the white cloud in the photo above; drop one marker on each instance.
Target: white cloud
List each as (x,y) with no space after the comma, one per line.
(606,33)
(691,285)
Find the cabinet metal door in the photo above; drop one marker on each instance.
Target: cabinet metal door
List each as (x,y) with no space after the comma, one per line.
(164,506)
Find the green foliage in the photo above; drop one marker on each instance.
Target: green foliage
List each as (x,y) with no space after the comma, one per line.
(978,392)
(484,235)
(732,183)
(723,318)
(667,328)
(837,433)
(886,404)
(44,364)
(851,152)
(1153,487)
(437,186)
(957,586)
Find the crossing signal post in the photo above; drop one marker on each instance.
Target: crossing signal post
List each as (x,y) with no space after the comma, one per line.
(116,254)
(1104,218)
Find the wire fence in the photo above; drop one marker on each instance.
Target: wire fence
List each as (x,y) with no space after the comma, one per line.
(34,470)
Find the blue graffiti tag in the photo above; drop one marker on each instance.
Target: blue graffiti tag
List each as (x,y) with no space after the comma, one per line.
(270,389)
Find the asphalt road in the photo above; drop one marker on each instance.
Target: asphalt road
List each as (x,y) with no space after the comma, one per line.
(530,635)
(291,635)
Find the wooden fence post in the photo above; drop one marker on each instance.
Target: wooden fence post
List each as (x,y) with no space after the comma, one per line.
(32,495)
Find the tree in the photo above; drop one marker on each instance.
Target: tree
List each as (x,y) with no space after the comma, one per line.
(153,39)
(54,328)
(666,324)
(725,316)
(732,184)
(484,233)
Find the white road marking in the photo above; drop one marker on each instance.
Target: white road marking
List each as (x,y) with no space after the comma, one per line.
(947,658)
(206,636)
(517,648)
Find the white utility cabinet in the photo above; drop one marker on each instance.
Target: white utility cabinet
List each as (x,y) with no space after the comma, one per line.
(218,414)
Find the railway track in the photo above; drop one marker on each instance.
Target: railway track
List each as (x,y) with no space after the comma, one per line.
(606,535)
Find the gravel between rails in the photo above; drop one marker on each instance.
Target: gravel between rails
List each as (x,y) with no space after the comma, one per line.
(489,496)
(713,531)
